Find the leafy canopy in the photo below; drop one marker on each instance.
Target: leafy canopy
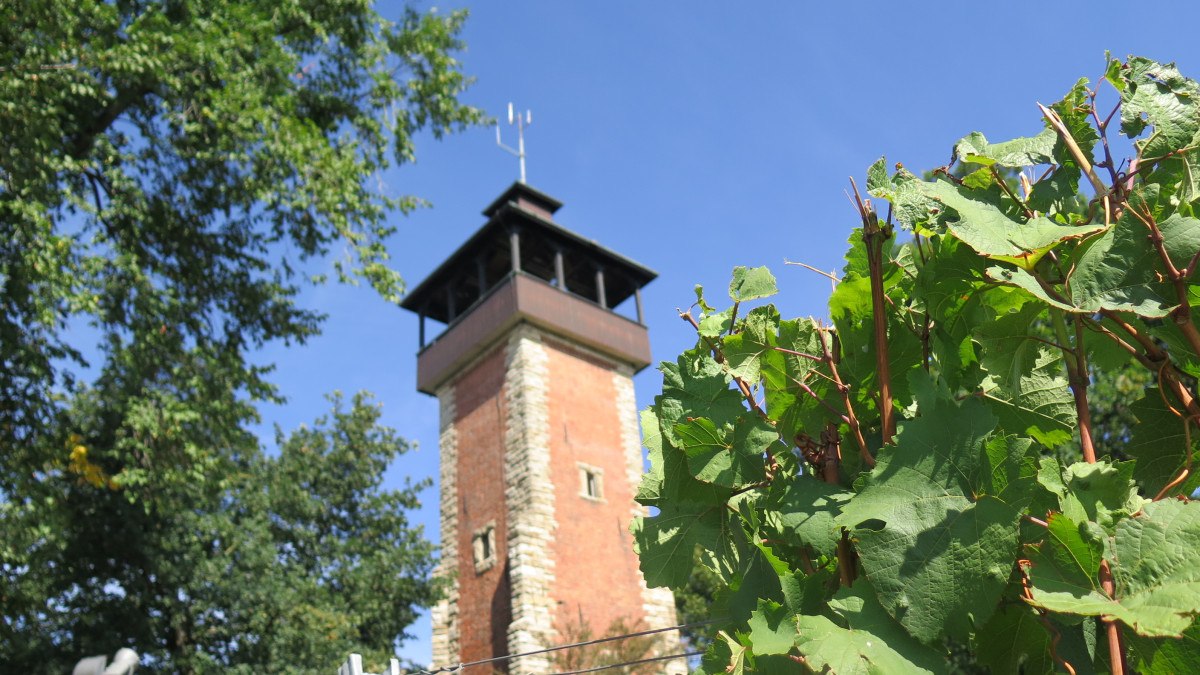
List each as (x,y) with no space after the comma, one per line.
(984,460)
(170,174)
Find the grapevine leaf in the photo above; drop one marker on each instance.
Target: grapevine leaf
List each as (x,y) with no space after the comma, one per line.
(737,655)
(695,386)
(1118,272)
(938,554)
(714,324)
(1019,152)
(1073,111)
(751,283)
(1159,445)
(1102,493)
(726,457)
(665,542)
(1009,350)
(669,477)
(825,645)
(757,577)
(1014,641)
(859,608)
(809,508)
(745,349)
(1157,582)
(1027,282)
(1068,560)
(904,190)
(1166,656)
(987,229)
(772,628)
(1037,403)
(1158,95)
(1010,469)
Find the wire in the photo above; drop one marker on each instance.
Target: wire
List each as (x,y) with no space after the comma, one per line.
(631,663)
(462,666)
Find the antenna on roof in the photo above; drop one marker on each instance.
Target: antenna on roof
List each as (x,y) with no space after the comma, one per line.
(522,121)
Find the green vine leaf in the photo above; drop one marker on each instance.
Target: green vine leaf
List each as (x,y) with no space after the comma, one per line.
(1149,656)
(752,283)
(665,542)
(1017,153)
(809,509)
(938,553)
(1157,581)
(993,233)
(870,642)
(1159,445)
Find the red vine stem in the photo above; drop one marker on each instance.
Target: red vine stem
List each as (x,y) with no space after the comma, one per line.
(831,457)
(874,238)
(829,357)
(1116,650)
(1055,636)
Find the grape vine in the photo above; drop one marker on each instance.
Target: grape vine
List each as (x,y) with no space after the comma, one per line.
(886,491)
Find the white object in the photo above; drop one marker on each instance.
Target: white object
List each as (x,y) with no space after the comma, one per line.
(353,666)
(124,662)
(522,121)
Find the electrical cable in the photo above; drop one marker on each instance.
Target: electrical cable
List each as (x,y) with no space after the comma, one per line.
(494,659)
(631,663)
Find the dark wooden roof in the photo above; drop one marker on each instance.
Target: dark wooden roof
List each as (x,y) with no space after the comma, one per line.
(457,281)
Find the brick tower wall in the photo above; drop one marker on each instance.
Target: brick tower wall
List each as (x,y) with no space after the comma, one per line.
(529,418)
(484,594)
(597,577)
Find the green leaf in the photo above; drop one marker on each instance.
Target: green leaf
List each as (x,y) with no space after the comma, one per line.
(1102,493)
(1168,656)
(987,229)
(711,455)
(755,338)
(695,386)
(1073,111)
(669,477)
(1158,95)
(1157,581)
(1159,445)
(751,283)
(1014,641)
(872,642)
(1025,281)
(905,191)
(772,628)
(1118,271)
(938,554)
(1010,469)
(715,324)
(1068,560)
(860,609)
(1039,402)
(809,509)
(665,542)
(1017,153)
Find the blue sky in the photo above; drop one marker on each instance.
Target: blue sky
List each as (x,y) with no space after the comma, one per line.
(693,137)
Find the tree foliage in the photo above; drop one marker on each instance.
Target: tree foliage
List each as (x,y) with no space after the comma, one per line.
(171,173)
(986,458)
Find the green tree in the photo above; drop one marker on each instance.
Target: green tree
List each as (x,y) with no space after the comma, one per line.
(985,461)
(169,173)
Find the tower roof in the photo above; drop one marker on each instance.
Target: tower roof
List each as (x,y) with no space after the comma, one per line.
(485,259)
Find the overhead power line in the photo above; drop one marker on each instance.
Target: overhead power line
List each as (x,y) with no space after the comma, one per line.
(631,663)
(461,666)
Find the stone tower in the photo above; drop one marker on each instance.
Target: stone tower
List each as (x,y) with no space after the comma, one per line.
(540,451)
